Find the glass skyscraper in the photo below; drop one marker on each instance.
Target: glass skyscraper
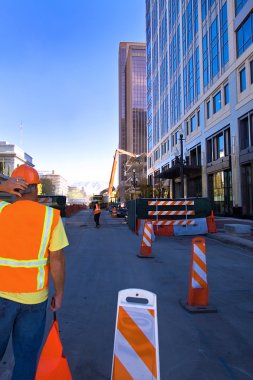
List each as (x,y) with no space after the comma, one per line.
(132,101)
(200,101)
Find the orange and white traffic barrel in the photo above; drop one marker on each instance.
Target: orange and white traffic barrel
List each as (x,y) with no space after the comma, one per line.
(136,350)
(198,286)
(114,212)
(146,242)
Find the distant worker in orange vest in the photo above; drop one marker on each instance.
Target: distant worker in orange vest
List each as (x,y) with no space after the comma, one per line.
(96,212)
(32,239)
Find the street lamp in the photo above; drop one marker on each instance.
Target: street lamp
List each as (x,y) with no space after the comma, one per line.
(181,166)
(134,181)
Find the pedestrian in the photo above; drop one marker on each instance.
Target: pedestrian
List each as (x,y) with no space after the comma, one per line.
(96,212)
(32,240)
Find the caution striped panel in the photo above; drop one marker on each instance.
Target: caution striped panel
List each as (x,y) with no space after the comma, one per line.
(171,203)
(147,234)
(199,275)
(173,213)
(136,344)
(189,222)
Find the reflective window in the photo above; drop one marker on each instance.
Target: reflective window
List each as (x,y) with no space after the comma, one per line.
(193,123)
(242,80)
(205,60)
(244,35)
(224,34)
(214,48)
(189,23)
(195,15)
(239,5)
(220,145)
(208,110)
(191,80)
(203,9)
(217,102)
(184,33)
(226,94)
(251,72)
(244,133)
(197,72)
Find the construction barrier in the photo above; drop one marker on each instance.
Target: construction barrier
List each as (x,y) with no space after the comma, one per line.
(146,241)
(139,208)
(198,286)
(136,348)
(114,212)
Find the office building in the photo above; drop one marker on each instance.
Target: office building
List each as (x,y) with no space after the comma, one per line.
(132,103)
(59,184)
(12,156)
(200,101)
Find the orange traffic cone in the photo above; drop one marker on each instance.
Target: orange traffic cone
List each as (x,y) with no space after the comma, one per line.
(198,286)
(146,242)
(114,212)
(53,364)
(211,225)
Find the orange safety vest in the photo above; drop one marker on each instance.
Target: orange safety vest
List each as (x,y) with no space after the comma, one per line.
(97,209)
(25,231)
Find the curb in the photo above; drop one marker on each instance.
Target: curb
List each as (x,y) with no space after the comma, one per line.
(235,240)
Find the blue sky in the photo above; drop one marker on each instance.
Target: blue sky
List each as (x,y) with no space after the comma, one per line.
(59,80)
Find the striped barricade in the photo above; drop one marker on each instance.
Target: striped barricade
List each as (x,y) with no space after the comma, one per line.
(136,350)
(198,286)
(175,218)
(146,241)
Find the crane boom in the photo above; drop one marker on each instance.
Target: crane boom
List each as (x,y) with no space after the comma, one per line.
(114,166)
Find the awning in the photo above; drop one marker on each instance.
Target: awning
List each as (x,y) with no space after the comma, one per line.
(174,172)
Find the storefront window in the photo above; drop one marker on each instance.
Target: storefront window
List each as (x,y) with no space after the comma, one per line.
(220,190)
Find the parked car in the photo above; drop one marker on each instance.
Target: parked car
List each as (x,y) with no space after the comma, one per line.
(121,212)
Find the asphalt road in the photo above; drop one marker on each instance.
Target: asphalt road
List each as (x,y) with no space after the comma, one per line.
(100,262)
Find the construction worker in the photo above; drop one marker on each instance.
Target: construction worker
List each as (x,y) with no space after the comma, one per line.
(32,240)
(96,212)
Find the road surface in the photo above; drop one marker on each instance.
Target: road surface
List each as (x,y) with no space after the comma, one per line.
(100,262)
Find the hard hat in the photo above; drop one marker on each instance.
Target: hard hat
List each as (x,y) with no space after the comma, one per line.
(29,174)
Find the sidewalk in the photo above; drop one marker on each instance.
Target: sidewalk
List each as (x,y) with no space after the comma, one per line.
(241,240)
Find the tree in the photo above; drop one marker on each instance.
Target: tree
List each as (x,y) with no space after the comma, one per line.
(2,167)
(47,186)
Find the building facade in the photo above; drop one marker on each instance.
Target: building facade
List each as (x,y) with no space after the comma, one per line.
(12,156)
(60,184)
(132,103)
(200,101)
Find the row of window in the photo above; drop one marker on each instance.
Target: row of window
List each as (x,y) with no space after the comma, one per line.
(217,145)
(215,46)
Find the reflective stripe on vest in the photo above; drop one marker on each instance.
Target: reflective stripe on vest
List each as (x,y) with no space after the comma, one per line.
(3,204)
(22,263)
(41,262)
(43,245)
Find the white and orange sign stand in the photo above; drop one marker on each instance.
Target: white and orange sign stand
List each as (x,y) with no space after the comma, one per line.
(198,286)
(136,350)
